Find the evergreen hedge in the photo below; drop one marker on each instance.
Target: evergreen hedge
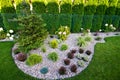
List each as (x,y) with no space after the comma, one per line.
(77,14)
(8,12)
(39,7)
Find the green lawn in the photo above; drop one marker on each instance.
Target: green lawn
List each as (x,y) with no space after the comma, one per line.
(105,64)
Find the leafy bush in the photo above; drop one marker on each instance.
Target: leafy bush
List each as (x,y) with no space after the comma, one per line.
(81,42)
(63,32)
(54,43)
(80,63)
(62,70)
(70,55)
(32,33)
(85,58)
(64,47)
(88,38)
(73,51)
(81,50)
(73,68)
(66,61)
(2,33)
(79,56)
(21,56)
(88,52)
(34,59)
(53,56)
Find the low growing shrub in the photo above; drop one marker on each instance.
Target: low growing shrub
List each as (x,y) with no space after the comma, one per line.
(43,49)
(53,56)
(85,58)
(34,59)
(80,63)
(88,38)
(21,57)
(98,38)
(81,50)
(73,68)
(62,70)
(64,47)
(66,61)
(70,55)
(81,42)
(16,51)
(73,51)
(63,32)
(88,52)
(54,43)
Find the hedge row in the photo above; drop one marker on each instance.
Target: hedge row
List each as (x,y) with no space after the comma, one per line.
(77,14)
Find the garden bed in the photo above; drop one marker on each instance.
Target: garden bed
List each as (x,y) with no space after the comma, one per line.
(53,67)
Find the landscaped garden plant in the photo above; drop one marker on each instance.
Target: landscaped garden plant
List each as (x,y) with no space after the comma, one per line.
(81,50)
(70,55)
(73,51)
(66,61)
(54,43)
(53,56)
(21,56)
(109,27)
(62,70)
(80,63)
(2,33)
(81,42)
(73,68)
(88,52)
(63,47)
(63,32)
(43,48)
(32,33)
(34,59)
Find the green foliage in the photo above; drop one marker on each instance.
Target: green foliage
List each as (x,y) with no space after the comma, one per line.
(39,7)
(63,47)
(52,22)
(66,6)
(98,17)
(52,7)
(53,56)
(23,8)
(54,43)
(88,38)
(63,32)
(81,42)
(98,38)
(89,11)
(1,21)
(32,33)
(2,35)
(34,59)
(43,49)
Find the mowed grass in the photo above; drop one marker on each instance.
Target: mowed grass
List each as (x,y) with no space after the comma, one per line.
(105,64)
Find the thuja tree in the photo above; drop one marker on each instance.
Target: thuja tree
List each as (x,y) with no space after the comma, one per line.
(8,12)
(98,16)
(38,6)
(65,12)
(52,17)
(89,10)
(110,12)
(77,14)
(32,33)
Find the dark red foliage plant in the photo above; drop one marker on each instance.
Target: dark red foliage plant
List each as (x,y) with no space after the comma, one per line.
(73,68)
(21,56)
(62,70)
(66,61)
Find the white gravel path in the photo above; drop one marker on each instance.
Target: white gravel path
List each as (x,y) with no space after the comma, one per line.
(54,66)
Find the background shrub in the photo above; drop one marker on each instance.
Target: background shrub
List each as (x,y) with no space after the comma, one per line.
(8,12)
(34,59)
(77,14)
(53,56)
(32,33)
(39,6)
